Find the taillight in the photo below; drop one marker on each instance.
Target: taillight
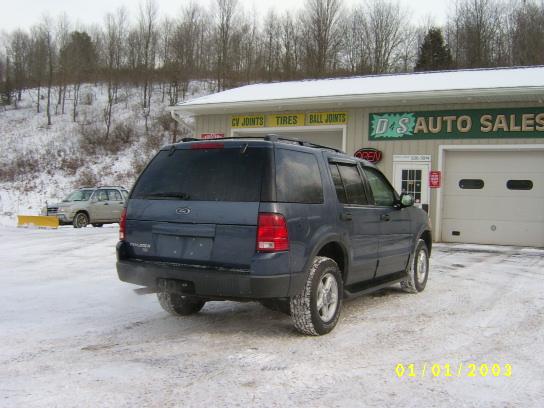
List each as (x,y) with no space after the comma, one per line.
(123,225)
(272,233)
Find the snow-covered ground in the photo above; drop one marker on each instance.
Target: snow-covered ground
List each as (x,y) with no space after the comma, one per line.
(71,334)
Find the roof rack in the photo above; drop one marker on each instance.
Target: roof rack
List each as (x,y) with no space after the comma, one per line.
(111,187)
(269,138)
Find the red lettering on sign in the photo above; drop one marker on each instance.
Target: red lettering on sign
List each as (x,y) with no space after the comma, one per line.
(434,179)
(369,154)
(212,135)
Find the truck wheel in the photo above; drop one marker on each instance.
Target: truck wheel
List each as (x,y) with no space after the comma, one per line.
(418,271)
(316,309)
(277,305)
(81,220)
(180,305)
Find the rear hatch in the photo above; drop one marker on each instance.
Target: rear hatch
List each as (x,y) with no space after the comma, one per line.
(198,203)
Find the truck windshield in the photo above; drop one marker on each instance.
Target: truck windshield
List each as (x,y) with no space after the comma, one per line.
(79,195)
(227,174)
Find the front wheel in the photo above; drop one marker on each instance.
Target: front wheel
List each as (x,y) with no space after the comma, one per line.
(81,220)
(180,305)
(316,309)
(418,271)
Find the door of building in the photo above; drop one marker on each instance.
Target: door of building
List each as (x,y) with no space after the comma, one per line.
(411,176)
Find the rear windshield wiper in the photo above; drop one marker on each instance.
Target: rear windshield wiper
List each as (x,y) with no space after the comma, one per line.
(167,195)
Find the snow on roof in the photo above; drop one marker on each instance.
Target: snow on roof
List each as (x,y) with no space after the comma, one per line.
(421,82)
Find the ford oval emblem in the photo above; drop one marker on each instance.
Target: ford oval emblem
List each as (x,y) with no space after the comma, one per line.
(183,210)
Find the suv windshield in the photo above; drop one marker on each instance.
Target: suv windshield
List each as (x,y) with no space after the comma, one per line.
(79,195)
(229,174)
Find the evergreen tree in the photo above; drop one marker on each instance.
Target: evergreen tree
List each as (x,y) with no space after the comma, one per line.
(434,53)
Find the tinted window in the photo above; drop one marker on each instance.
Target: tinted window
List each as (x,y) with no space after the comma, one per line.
(230,174)
(298,179)
(519,185)
(382,192)
(338,185)
(353,184)
(471,184)
(114,195)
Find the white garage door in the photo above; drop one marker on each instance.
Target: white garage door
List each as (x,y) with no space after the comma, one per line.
(329,138)
(494,197)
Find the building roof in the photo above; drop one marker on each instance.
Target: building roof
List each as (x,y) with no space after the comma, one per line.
(491,85)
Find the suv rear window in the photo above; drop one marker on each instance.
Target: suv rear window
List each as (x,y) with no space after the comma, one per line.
(298,179)
(230,174)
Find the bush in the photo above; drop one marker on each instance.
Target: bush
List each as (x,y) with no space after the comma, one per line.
(87,178)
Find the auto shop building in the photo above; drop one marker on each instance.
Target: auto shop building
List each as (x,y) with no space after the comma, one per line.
(468,145)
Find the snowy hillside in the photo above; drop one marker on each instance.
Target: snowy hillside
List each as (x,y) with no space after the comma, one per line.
(40,163)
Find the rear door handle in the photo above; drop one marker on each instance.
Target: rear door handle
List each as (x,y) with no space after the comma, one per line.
(346,216)
(385,217)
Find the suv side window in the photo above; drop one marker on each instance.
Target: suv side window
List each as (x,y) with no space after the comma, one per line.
(298,179)
(348,183)
(115,195)
(383,193)
(125,194)
(102,195)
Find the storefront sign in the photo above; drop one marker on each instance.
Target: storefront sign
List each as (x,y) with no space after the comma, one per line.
(434,179)
(212,135)
(326,118)
(369,154)
(249,121)
(289,119)
(467,124)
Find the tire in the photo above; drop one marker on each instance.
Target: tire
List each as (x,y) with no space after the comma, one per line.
(98,225)
(310,318)
(81,220)
(180,305)
(277,305)
(418,271)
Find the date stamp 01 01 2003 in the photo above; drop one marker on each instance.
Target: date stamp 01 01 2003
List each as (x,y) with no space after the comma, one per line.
(453,370)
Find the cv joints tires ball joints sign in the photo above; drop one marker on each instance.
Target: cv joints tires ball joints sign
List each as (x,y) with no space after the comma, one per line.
(369,154)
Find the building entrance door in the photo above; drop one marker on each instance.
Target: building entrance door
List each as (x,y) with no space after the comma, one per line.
(411,176)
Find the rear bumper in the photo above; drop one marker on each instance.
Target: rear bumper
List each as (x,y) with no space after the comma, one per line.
(206,282)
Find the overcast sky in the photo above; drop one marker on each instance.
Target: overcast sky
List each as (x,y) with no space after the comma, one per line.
(24,13)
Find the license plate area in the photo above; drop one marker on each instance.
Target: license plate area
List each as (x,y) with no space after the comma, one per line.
(184,248)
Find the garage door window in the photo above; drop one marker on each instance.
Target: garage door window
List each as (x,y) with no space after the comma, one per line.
(519,185)
(471,184)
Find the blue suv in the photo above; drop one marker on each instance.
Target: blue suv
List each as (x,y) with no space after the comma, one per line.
(296,226)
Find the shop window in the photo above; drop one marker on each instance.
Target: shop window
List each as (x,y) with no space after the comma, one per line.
(519,185)
(471,184)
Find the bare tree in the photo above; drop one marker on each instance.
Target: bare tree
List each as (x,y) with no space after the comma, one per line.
(224,27)
(48,34)
(147,30)
(321,22)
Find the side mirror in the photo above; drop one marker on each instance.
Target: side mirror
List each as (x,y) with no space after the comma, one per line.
(406,200)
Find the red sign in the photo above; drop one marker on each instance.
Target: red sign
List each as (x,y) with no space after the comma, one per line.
(369,154)
(434,179)
(212,135)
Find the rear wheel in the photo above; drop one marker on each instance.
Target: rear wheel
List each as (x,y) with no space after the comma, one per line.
(418,271)
(316,309)
(81,220)
(180,305)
